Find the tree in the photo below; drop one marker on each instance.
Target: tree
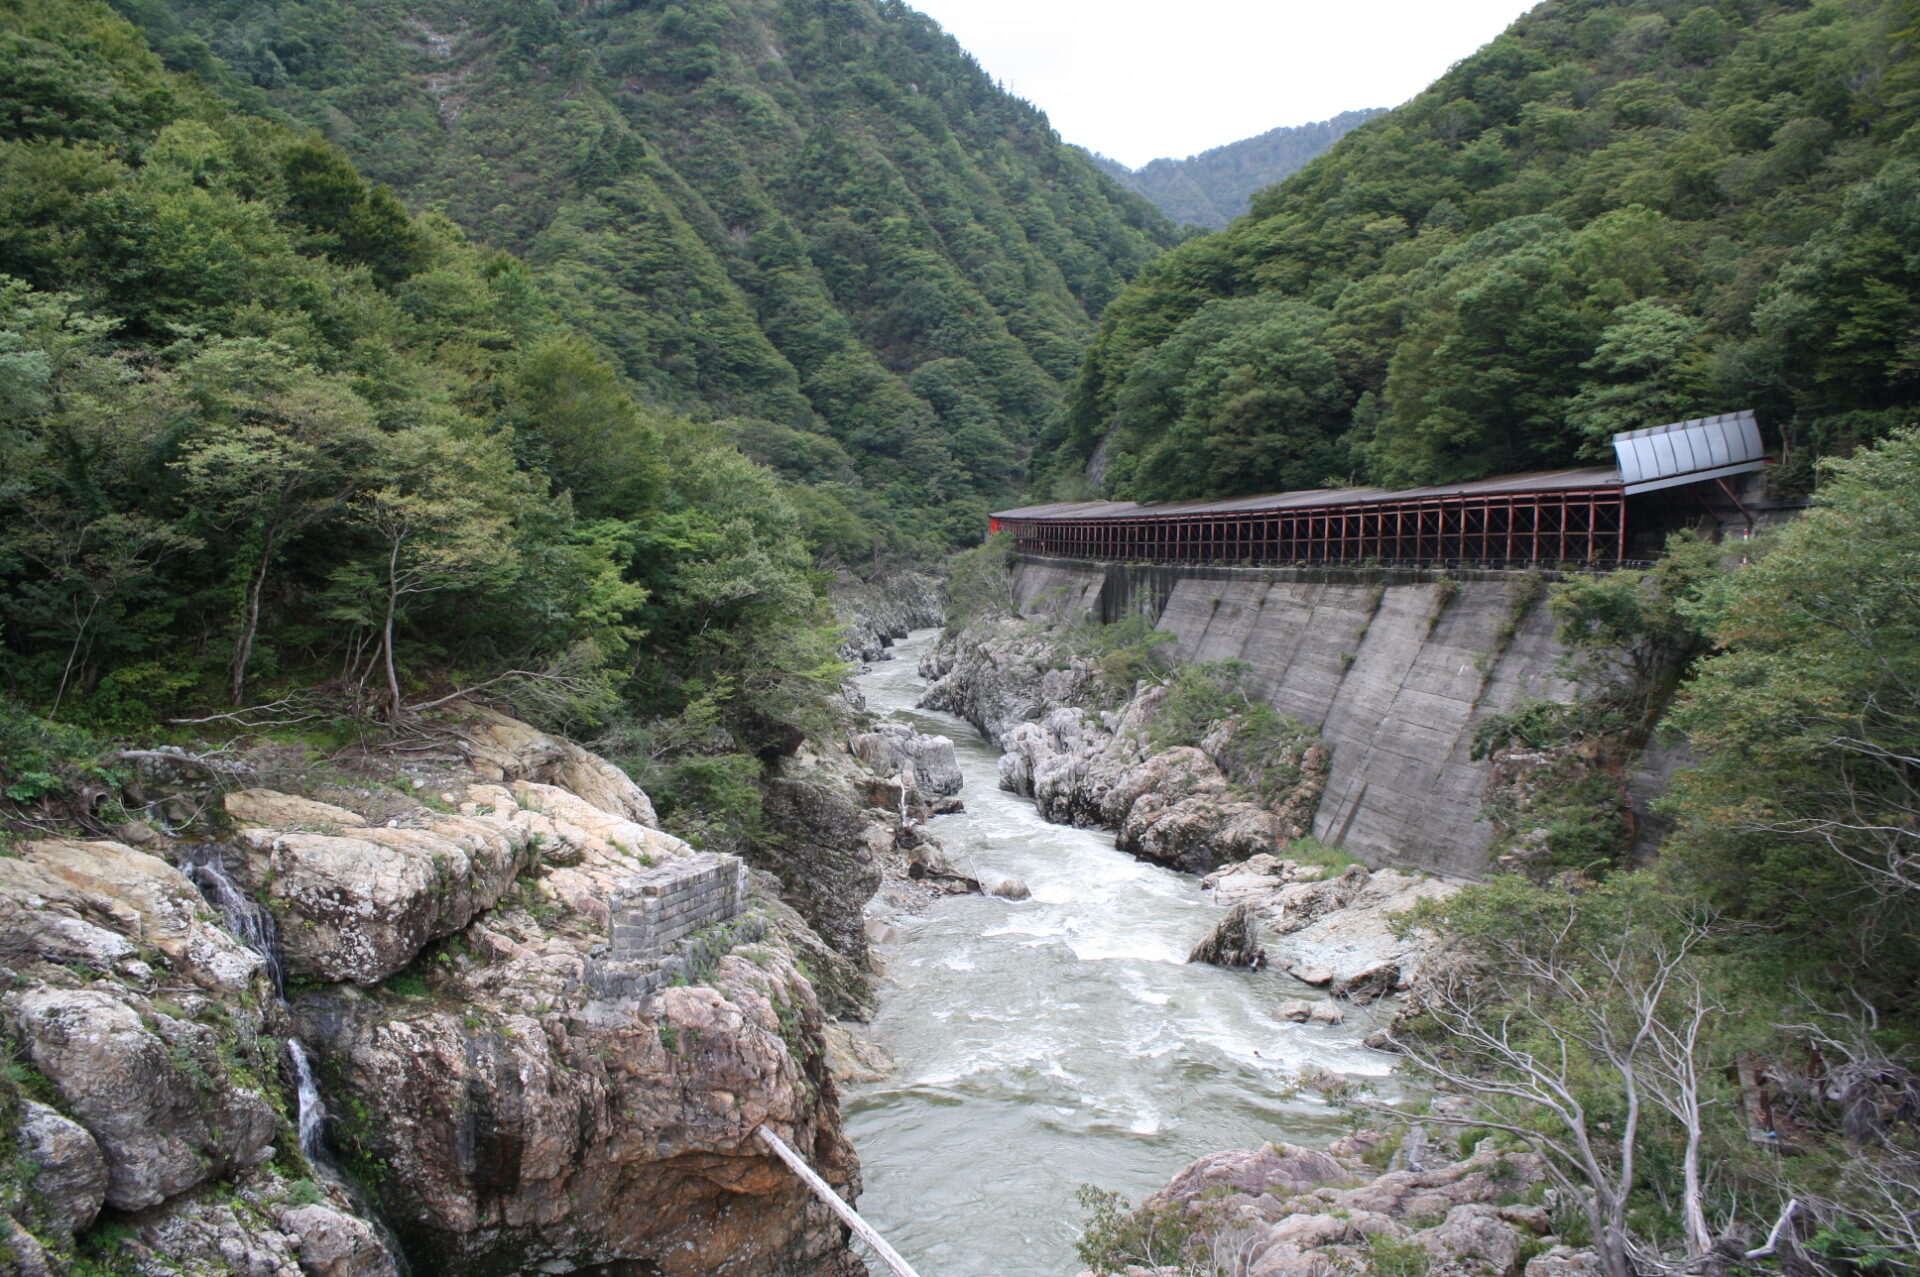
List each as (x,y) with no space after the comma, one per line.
(1568,1023)
(1805,809)
(277,448)
(441,521)
(1649,369)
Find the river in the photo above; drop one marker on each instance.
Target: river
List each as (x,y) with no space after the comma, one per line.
(1062,1040)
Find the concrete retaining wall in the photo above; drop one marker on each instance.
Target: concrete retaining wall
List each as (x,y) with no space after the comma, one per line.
(1393,666)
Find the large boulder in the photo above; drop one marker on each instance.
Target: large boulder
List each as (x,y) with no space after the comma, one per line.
(928,763)
(1283,1169)
(152,1099)
(505,749)
(359,905)
(99,902)
(69,1171)
(1175,807)
(1233,942)
(1291,1212)
(1339,930)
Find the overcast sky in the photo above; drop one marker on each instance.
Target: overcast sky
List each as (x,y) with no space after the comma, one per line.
(1141,79)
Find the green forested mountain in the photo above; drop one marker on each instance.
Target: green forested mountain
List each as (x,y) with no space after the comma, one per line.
(1618,212)
(266,438)
(1212,188)
(822,219)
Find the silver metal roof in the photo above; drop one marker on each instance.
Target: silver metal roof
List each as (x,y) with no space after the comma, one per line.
(1689,451)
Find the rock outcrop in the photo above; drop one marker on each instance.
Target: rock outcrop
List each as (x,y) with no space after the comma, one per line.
(1234,942)
(874,614)
(513,1115)
(1337,930)
(926,763)
(998,674)
(145,1073)
(1177,806)
(1284,1211)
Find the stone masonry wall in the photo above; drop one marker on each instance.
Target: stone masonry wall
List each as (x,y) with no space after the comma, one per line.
(1391,665)
(661,921)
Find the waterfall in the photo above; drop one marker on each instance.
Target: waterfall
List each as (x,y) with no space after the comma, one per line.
(313,1110)
(246,919)
(252,924)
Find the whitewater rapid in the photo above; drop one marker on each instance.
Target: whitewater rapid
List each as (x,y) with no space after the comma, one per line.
(1062,1040)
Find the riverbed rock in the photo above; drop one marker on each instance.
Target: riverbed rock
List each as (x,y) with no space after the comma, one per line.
(1338,929)
(1310,1011)
(1233,942)
(873,614)
(1008,887)
(1272,1169)
(1326,1013)
(854,1057)
(1000,673)
(1173,806)
(927,763)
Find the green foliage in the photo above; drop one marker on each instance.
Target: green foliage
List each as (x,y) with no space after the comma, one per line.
(1260,751)
(980,582)
(826,222)
(1116,1237)
(1800,816)
(406,984)
(1311,851)
(1199,697)
(1120,654)
(1388,1257)
(1606,218)
(260,429)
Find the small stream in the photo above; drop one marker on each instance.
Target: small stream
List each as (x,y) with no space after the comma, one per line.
(1059,1041)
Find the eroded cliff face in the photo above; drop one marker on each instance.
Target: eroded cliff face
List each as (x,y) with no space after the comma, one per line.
(876,613)
(146,1089)
(506,1111)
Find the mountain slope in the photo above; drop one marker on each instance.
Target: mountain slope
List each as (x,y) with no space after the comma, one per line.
(1617,213)
(825,217)
(1212,188)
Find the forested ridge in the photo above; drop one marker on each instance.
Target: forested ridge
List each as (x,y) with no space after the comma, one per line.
(1212,188)
(267,439)
(1613,214)
(823,222)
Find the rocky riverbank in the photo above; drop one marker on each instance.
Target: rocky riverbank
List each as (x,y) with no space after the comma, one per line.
(441,915)
(1190,807)
(877,613)
(1285,1211)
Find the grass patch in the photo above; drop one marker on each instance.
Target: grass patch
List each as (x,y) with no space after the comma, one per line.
(1311,851)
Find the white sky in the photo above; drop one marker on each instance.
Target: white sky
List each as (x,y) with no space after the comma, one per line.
(1140,79)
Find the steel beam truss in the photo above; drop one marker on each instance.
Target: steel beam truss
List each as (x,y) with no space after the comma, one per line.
(1571,529)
